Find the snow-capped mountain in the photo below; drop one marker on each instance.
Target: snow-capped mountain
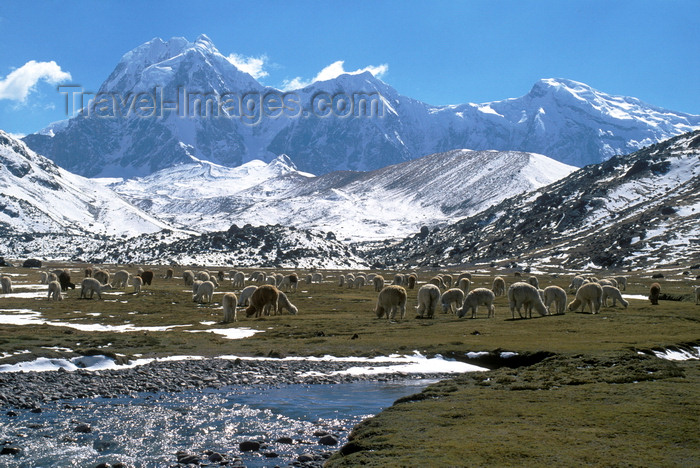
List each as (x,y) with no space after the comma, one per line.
(391,202)
(124,136)
(636,211)
(38,196)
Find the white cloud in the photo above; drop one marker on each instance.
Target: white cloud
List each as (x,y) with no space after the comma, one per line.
(332,71)
(20,82)
(251,65)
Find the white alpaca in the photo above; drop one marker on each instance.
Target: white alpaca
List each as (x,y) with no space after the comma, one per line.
(607,282)
(464,275)
(238,280)
(6,284)
(278,278)
(389,300)
(317,278)
(378,281)
(283,303)
(205,292)
(590,294)
(558,296)
(621,282)
(613,293)
(102,276)
(428,298)
(188,277)
(499,286)
(350,281)
(289,283)
(137,282)
(271,280)
(229,302)
(44,278)
(91,286)
(398,280)
(576,282)
(244,299)
(55,291)
(359,282)
(51,277)
(203,275)
(452,300)
(120,279)
(534,281)
(447,279)
(464,284)
(524,294)
(437,281)
(478,297)
(308,279)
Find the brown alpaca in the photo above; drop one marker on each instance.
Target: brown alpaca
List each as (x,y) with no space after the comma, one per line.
(389,300)
(654,292)
(263,301)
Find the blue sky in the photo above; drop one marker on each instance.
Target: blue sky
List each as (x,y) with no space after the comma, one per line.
(440,52)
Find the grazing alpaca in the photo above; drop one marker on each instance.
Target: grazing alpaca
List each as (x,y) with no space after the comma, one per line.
(341,280)
(614,293)
(534,281)
(283,303)
(55,291)
(147,277)
(6,284)
(51,277)
(271,280)
(64,279)
(389,300)
(120,279)
(590,294)
(137,282)
(238,280)
(398,280)
(517,275)
(428,297)
(412,279)
(263,301)
(452,300)
(464,284)
(88,272)
(188,277)
(697,295)
(524,294)
(220,275)
(437,281)
(245,295)
(654,292)
(359,282)
(202,275)
(447,279)
(91,286)
(205,292)
(607,282)
(102,276)
(289,283)
(576,282)
(317,278)
(44,278)
(229,302)
(378,281)
(169,273)
(557,295)
(464,275)
(621,282)
(499,286)
(478,297)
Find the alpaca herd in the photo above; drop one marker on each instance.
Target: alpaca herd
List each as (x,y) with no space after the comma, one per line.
(457,295)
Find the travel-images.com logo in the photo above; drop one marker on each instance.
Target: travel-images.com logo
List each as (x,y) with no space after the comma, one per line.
(250,108)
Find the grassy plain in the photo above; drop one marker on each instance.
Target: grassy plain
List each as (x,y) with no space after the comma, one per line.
(594,402)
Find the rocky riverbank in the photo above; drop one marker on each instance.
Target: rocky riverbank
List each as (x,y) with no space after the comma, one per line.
(32,389)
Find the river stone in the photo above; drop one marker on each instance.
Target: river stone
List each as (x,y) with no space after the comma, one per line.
(285,440)
(305,457)
(249,446)
(270,455)
(185,458)
(82,428)
(9,450)
(216,457)
(328,440)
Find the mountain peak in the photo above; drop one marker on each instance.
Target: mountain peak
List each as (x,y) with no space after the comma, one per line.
(203,42)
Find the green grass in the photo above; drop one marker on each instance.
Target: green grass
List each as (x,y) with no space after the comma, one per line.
(596,401)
